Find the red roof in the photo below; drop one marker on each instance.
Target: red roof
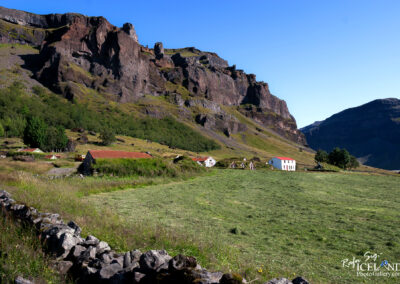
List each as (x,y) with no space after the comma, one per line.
(284,158)
(101,154)
(29,150)
(200,159)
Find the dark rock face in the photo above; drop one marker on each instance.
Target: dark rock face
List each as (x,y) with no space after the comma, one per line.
(370,132)
(78,52)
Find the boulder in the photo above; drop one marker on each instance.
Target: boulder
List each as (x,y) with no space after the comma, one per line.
(76,252)
(135,255)
(181,262)
(77,229)
(4,194)
(108,271)
(90,241)
(154,260)
(203,276)
(102,247)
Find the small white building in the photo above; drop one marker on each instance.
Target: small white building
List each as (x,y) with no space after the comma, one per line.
(31,150)
(283,163)
(52,157)
(208,162)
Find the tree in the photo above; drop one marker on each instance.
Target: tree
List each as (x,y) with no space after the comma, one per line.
(1,130)
(107,136)
(56,139)
(339,157)
(353,163)
(35,132)
(321,156)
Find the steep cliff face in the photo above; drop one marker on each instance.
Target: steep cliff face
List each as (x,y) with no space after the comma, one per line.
(370,132)
(76,51)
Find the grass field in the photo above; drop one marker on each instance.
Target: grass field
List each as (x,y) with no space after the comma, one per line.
(18,244)
(282,223)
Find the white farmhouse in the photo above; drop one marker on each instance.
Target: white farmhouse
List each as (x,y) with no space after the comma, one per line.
(208,162)
(283,163)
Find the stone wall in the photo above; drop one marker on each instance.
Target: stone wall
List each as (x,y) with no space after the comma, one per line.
(90,260)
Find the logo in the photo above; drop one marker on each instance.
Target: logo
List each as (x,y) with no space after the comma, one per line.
(372,265)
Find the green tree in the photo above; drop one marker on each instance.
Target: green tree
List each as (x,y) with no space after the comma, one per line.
(353,164)
(56,139)
(1,130)
(339,157)
(35,133)
(107,136)
(321,156)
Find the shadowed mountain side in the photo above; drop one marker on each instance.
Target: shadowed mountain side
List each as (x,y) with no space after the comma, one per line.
(371,132)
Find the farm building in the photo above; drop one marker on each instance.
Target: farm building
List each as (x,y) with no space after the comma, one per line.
(31,150)
(208,162)
(283,163)
(93,155)
(52,157)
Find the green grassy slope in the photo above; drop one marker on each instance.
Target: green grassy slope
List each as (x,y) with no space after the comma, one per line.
(287,223)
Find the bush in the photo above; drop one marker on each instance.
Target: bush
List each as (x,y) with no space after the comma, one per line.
(321,156)
(107,136)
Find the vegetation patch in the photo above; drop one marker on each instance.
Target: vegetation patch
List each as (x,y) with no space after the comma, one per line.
(16,107)
(146,167)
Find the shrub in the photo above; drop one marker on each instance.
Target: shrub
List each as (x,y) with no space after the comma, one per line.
(107,136)
(321,156)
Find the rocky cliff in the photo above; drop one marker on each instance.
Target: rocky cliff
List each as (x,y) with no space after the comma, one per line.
(77,50)
(370,132)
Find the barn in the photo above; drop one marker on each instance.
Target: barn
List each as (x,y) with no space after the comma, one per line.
(283,163)
(92,155)
(208,162)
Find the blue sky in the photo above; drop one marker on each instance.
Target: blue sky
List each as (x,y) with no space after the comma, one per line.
(319,56)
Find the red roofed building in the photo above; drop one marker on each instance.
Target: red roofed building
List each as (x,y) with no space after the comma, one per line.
(93,155)
(283,163)
(205,161)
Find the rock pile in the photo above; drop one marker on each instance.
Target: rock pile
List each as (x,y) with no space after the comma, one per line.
(90,260)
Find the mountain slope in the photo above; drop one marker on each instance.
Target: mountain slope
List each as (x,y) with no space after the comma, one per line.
(102,69)
(371,132)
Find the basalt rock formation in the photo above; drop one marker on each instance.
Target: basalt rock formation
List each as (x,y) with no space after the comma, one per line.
(77,50)
(370,132)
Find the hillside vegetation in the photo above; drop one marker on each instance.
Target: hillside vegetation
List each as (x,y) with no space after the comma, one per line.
(16,106)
